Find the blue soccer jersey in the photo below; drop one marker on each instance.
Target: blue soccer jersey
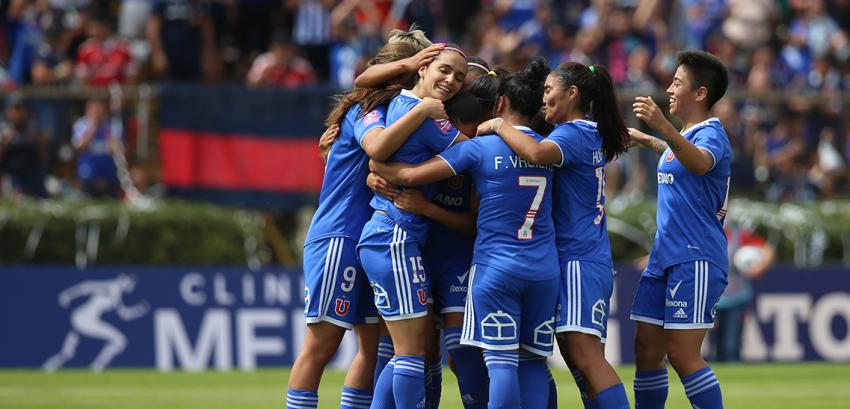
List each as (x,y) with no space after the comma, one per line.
(344,200)
(516,233)
(692,208)
(579,200)
(445,245)
(431,138)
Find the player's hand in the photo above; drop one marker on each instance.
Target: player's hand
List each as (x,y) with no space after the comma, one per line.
(490,126)
(433,108)
(423,57)
(648,111)
(638,138)
(327,140)
(380,186)
(412,201)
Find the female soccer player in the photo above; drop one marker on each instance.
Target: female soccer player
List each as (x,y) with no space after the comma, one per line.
(590,132)
(513,291)
(390,245)
(337,295)
(686,274)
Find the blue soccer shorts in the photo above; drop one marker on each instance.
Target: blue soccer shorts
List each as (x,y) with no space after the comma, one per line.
(683,296)
(336,289)
(393,262)
(505,312)
(585,298)
(449,277)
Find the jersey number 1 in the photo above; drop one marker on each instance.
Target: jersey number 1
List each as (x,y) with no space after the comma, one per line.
(526,231)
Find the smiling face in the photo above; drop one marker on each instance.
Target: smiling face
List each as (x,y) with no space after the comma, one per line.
(557,101)
(683,94)
(443,78)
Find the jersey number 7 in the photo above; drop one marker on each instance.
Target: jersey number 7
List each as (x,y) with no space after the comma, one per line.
(526,231)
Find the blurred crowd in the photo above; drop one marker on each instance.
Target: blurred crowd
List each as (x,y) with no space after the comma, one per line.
(786,148)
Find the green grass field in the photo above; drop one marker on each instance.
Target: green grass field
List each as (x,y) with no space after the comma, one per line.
(793,386)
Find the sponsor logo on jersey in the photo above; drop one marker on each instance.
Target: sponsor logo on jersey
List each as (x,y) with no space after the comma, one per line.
(665,178)
(371,117)
(680,314)
(670,156)
(342,307)
(675,289)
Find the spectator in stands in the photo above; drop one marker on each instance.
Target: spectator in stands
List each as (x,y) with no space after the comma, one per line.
(182,40)
(95,144)
(51,65)
(749,258)
(104,59)
(312,33)
(281,66)
(133,16)
(22,149)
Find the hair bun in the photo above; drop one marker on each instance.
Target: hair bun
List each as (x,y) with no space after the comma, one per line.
(536,70)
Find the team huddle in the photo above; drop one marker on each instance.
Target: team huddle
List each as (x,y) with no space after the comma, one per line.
(464,206)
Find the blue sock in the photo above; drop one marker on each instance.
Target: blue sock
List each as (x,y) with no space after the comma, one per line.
(385,354)
(533,380)
(613,398)
(301,399)
(472,378)
(502,366)
(650,389)
(383,396)
(553,391)
(703,389)
(409,381)
(434,384)
(353,398)
(582,387)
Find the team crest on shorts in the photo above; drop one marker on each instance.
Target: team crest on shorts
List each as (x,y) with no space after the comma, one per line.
(342,307)
(423,296)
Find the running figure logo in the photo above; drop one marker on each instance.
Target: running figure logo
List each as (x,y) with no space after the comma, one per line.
(87,319)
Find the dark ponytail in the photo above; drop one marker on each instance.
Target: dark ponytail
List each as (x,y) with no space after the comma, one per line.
(525,88)
(598,99)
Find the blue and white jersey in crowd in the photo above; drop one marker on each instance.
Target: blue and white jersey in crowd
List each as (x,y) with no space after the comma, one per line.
(446,246)
(516,233)
(692,208)
(344,200)
(431,138)
(579,201)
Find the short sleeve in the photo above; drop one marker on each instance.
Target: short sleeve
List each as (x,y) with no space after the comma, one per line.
(78,130)
(463,156)
(439,134)
(565,138)
(714,142)
(377,118)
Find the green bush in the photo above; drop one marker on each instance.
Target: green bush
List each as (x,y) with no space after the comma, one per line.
(175,232)
(168,232)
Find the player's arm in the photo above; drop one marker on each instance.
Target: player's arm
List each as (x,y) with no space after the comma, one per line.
(524,145)
(696,160)
(413,201)
(405,174)
(378,74)
(381,143)
(638,138)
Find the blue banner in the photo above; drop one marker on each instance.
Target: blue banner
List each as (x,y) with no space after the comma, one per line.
(225,318)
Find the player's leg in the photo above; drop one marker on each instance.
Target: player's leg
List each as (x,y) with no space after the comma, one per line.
(491,322)
(393,264)
(433,362)
(385,349)
(694,287)
(449,289)
(330,272)
(358,386)
(93,326)
(583,331)
(69,347)
(650,384)
(537,338)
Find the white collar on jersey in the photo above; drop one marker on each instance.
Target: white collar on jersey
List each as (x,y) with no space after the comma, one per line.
(703,123)
(587,121)
(409,93)
(522,128)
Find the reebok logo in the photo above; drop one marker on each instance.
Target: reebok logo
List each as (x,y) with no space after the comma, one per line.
(461,278)
(680,314)
(675,289)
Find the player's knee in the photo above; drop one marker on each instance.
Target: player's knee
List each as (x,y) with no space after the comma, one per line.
(681,356)
(648,352)
(582,354)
